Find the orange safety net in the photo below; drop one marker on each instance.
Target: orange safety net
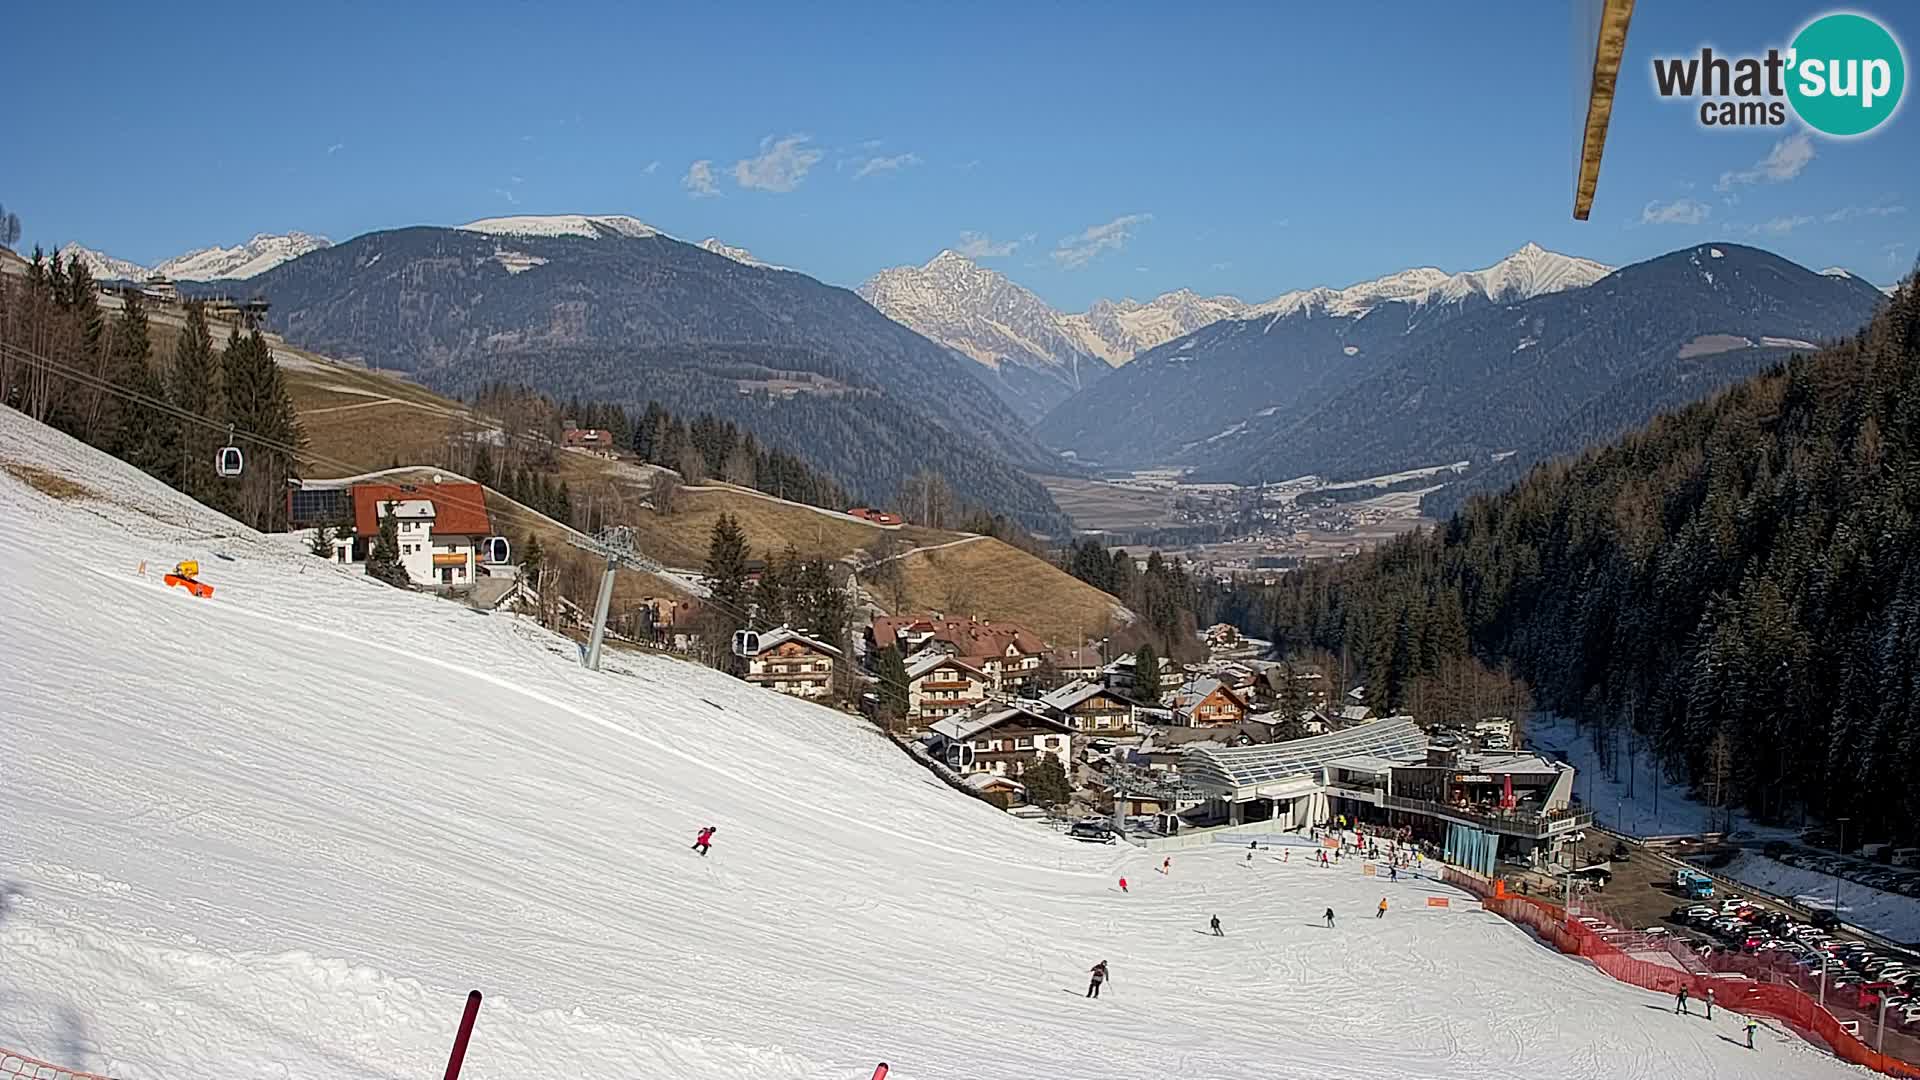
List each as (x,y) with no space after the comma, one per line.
(1785,1001)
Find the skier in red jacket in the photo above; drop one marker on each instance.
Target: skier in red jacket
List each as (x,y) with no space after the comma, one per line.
(705,840)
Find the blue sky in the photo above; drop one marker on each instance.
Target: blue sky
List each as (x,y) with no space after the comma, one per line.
(1095,149)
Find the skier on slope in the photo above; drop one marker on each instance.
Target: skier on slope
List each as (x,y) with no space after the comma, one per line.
(1249,858)
(1751,1024)
(1329,918)
(1393,872)
(1099,976)
(1381,913)
(1166,865)
(1709,1002)
(1217,932)
(1680,1003)
(1123,888)
(705,840)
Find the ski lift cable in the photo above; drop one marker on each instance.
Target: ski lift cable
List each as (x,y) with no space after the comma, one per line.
(106,385)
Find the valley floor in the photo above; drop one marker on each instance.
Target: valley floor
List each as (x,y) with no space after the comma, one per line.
(283,831)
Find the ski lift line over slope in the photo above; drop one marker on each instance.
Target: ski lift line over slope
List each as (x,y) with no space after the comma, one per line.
(300,858)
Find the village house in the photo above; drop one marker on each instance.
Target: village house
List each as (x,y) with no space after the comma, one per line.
(440,529)
(1120,673)
(1082,662)
(1007,652)
(1001,739)
(878,517)
(592,440)
(792,663)
(940,685)
(1208,703)
(1092,709)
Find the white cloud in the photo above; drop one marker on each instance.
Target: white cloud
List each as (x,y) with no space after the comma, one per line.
(969,165)
(699,180)
(1223,266)
(975,245)
(1076,251)
(895,163)
(780,165)
(507,195)
(1781,225)
(652,167)
(1677,212)
(336,148)
(1140,269)
(518,179)
(1785,161)
(1848,212)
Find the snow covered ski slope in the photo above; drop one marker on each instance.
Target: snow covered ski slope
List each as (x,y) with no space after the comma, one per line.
(282,832)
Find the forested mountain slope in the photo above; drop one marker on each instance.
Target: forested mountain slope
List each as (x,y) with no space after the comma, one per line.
(1735,587)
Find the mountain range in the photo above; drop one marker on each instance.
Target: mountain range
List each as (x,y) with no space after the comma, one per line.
(1278,359)
(609,308)
(256,256)
(1538,355)
(1031,354)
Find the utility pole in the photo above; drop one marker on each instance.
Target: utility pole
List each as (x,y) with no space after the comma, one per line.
(1836,868)
(615,544)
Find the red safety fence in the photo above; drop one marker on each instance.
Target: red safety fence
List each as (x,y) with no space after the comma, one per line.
(1733,988)
(21,1067)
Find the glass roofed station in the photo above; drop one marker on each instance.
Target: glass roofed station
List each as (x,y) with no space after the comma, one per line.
(1479,809)
(1285,781)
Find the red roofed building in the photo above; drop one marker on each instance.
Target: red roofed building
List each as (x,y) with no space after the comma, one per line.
(1007,652)
(599,440)
(878,517)
(439,528)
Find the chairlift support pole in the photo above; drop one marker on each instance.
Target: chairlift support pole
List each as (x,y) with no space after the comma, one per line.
(615,544)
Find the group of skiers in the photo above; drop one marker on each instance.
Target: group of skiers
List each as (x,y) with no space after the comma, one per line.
(1681,998)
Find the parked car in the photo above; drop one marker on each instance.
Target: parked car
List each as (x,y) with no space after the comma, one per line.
(1093,832)
(1825,918)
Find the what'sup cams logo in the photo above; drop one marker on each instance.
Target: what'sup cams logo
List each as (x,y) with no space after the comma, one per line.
(1842,76)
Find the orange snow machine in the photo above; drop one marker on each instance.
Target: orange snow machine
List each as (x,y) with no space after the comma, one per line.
(186,576)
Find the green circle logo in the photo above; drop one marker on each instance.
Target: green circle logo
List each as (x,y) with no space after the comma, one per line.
(1847,74)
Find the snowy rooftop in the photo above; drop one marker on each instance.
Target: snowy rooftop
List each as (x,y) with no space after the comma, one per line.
(297,854)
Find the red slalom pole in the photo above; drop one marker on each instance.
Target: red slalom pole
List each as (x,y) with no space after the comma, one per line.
(880,1071)
(466,1031)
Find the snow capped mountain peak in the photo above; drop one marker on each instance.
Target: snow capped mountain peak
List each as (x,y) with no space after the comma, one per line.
(737,254)
(591,226)
(1529,272)
(102,266)
(258,255)
(1837,271)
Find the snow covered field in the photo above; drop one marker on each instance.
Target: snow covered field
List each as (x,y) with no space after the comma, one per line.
(283,831)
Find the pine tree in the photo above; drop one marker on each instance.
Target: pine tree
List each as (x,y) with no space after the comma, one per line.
(483,466)
(195,388)
(727,570)
(1146,674)
(257,403)
(771,597)
(1046,781)
(383,555)
(891,668)
(322,542)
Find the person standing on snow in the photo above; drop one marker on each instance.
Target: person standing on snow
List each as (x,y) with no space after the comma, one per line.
(1249,858)
(1099,976)
(1381,912)
(1123,888)
(1680,1003)
(1709,1002)
(1329,917)
(705,840)
(1217,932)
(1393,872)
(1751,1024)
